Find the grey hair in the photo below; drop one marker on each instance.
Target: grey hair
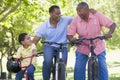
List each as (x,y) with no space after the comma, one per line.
(83,4)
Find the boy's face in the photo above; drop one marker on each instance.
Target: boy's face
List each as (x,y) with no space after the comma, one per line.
(27,40)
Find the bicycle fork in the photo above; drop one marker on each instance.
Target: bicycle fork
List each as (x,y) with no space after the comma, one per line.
(26,74)
(60,69)
(56,76)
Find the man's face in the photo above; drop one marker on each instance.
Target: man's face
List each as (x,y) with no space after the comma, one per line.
(83,12)
(56,14)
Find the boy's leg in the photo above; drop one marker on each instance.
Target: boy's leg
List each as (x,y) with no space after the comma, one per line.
(103,71)
(19,75)
(30,71)
(80,66)
(47,64)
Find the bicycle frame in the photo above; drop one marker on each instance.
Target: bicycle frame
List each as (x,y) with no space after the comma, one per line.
(59,60)
(31,57)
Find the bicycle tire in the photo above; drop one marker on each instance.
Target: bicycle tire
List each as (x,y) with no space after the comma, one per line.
(93,69)
(61,71)
(95,72)
(53,69)
(53,72)
(90,69)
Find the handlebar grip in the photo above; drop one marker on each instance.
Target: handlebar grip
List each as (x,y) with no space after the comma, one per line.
(39,54)
(50,43)
(102,37)
(79,41)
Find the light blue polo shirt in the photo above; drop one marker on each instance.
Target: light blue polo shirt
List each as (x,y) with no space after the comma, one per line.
(55,34)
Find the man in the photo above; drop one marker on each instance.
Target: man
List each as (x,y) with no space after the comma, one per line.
(54,30)
(88,24)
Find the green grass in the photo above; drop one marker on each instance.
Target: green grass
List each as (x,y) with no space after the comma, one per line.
(38,75)
(113,62)
(115,77)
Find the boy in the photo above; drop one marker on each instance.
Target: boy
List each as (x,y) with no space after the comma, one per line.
(26,52)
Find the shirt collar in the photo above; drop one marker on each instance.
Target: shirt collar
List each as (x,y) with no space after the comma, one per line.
(90,17)
(48,22)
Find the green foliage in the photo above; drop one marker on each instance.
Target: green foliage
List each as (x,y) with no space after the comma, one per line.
(18,16)
(111,9)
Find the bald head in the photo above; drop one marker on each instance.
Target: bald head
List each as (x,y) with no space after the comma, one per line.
(83,5)
(83,10)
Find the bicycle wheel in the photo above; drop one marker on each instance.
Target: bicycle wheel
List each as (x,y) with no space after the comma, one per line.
(61,71)
(95,69)
(53,72)
(90,69)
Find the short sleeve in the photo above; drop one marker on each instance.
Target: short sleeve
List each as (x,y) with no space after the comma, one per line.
(72,28)
(33,46)
(104,20)
(41,30)
(19,53)
(69,19)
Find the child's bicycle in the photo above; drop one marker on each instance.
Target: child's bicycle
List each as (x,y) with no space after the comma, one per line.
(92,61)
(14,64)
(59,68)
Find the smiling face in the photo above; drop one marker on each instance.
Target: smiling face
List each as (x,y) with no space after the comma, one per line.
(82,12)
(27,41)
(56,14)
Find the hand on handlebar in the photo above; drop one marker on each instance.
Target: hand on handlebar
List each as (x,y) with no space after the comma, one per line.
(10,58)
(79,41)
(108,36)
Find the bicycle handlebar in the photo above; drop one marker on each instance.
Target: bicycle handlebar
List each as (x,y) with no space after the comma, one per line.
(50,43)
(79,41)
(39,54)
(19,59)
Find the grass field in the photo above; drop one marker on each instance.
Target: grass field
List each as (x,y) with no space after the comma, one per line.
(113,61)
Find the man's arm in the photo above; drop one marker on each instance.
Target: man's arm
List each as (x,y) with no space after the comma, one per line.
(36,39)
(112,29)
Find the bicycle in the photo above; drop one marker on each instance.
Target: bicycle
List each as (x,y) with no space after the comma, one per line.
(14,64)
(59,68)
(92,61)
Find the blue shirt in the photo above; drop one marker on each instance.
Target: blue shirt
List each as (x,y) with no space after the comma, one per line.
(55,34)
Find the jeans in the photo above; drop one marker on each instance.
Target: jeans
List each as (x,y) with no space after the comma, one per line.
(80,66)
(48,59)
(30,71)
